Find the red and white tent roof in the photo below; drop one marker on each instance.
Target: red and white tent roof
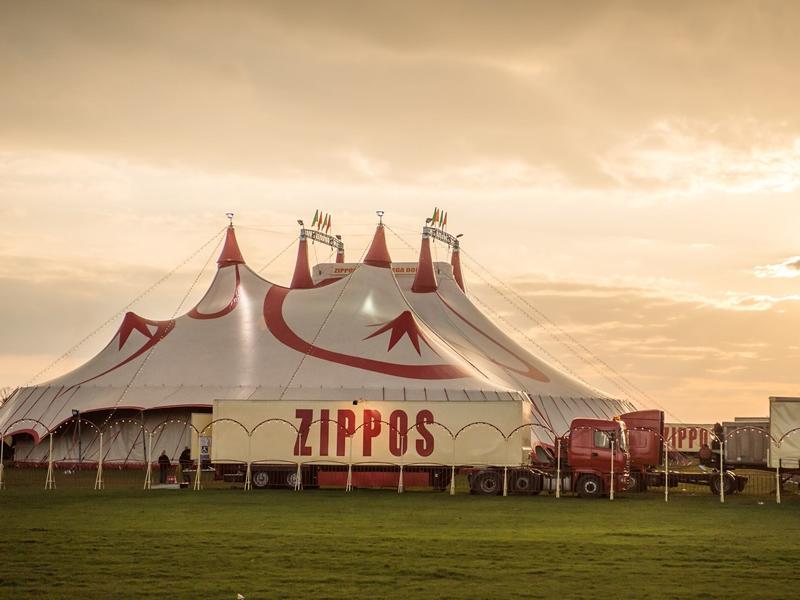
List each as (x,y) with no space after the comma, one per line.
(371,330)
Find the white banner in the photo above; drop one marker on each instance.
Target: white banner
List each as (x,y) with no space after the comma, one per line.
(687,438)
(370,432)
(784,418)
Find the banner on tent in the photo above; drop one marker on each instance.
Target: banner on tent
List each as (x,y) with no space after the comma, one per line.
(365,431)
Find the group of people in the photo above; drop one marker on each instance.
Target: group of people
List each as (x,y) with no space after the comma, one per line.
(164,463)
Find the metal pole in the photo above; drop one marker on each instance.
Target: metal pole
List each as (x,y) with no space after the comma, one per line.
(777,483)
(80,444)
(666,472)
(400,481)
(298,482)
(613,447)
(199,465)
(721,471)
(50,482)
(558,467)
(453,471)
(149,457)
(2,447)
(505,481)
(248,478)
(98,482)
(349,486)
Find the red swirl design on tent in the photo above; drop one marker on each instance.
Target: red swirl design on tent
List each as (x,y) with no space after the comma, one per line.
(196,314)
(531,372)
(273,317)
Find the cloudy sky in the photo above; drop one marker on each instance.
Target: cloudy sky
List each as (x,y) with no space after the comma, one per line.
(631,170)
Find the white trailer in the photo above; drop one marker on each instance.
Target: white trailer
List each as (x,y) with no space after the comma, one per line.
(784,429)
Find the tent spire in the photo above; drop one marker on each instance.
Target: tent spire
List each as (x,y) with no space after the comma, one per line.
(425,279)
(230,255)
(378,253)
(340,250)
(455,260)
(301,279)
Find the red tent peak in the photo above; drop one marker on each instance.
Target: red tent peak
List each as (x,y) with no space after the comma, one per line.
(230,255)
(378,253)
(301,279)
(425,279)
(455,260)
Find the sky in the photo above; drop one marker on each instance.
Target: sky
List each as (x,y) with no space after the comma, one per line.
(629,170)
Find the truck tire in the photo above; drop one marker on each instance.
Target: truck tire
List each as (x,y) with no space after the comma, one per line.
(522,482)
(260,479)
(590,486)
(487,483)
(291,479)
(729,482)
(635,483)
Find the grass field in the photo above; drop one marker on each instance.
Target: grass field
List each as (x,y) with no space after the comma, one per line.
(326,544)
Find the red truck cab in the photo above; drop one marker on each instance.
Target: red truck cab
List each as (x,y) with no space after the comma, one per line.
(592,446)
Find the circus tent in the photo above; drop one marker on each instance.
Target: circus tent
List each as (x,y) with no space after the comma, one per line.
(340,331)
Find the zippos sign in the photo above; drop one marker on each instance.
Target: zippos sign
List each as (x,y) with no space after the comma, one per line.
(370,432)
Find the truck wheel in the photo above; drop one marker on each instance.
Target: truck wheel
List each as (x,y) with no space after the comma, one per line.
(729,483)
(291,480)
(487,483)
(590,486)
(260,479)
(634,483)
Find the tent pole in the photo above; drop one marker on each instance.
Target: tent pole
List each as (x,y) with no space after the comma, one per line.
(505,481)
(453,471)
(199,465)
(777,482)
(50,482)
(349,486)
(248,478)
(613,448)
(666,472)
(558,467)
(298,482)
(2,447)
(722,471)
(400,481)
(98,482)
(149,458)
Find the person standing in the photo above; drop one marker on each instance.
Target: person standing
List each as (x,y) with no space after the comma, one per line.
(163,466)
(185,462)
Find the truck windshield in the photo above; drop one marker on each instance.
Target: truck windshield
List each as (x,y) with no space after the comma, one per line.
(602,439)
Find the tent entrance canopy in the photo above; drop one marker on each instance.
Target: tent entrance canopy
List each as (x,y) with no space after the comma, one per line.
(372,431)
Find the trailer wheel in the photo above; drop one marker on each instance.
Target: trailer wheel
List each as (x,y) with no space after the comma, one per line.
(524,482)
(487,483)
(729,483)
(291,480)
(260,479)
(590,486)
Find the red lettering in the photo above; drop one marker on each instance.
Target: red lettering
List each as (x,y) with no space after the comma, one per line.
(398,433)
(424,445)
(692,437)
(372,429)
(324,431)
(347,426)
(703,436)
(681,436)
(300,447)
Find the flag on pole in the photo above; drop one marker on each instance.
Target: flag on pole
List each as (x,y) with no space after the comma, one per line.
(319,221)
(316,217)
(444,221)
(435,219)
(328,225)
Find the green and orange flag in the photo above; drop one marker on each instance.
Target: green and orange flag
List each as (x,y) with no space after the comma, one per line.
(316,218)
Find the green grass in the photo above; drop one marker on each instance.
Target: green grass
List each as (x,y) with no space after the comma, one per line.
(326,544)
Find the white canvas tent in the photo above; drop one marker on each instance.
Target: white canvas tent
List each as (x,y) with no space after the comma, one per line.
(370,330)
